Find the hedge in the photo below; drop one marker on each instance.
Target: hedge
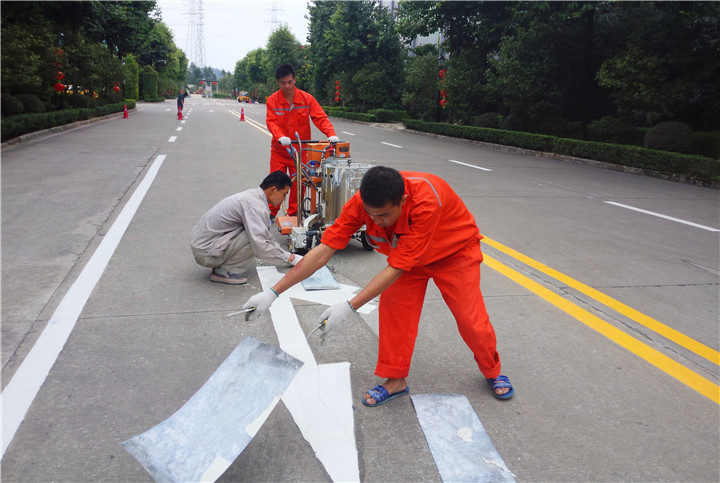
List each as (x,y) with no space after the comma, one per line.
(355,116)
(26,123)
(633,156)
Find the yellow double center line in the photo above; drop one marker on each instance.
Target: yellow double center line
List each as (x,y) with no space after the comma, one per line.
(251,122)
(675,369)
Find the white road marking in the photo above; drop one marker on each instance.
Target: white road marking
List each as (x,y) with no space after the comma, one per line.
(172,139)
(20,392)
(678,220)
(393,145)
(179,129)
(469,165)
(319,398)
(348,133)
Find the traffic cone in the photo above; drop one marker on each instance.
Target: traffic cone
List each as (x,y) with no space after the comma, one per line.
(125,113)
(180,118)
(242,114)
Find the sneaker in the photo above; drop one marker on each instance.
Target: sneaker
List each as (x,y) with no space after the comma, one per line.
(221,275)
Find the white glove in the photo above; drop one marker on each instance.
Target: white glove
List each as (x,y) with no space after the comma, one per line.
(333,139)
(334,315)
(261,302)
(295,260)
(285,141)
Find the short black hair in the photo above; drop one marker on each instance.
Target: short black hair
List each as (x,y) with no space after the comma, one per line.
(382,185)
(284,70)
(278,179)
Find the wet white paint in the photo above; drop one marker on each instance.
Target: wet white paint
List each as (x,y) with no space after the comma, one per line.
(319,398)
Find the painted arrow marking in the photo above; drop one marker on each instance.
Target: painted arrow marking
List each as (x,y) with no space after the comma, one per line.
(319,398)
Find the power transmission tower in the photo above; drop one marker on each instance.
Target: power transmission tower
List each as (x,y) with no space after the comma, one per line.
(274,10)
(195,40)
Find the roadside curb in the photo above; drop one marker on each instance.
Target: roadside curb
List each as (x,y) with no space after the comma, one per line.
(58,129)
(691,180)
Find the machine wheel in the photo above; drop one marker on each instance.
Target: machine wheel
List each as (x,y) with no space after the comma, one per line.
(367,246)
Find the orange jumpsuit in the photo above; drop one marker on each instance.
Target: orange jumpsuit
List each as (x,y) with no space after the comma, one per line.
(283,119)
(435,237)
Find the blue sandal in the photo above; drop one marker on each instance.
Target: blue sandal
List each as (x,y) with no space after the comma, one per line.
(500,382)
(381,396)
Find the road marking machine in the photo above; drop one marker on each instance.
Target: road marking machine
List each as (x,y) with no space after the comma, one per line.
(324,182)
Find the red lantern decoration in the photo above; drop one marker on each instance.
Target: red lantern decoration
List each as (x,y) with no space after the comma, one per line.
(116,89)
(442,73)
(443,93)
(214,83)
(60,76)
(202,82)
(443,102)
(59,87)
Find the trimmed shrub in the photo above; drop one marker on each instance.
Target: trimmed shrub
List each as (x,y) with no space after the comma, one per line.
(669,136)
(634,156)
(706,144)
(27,123)
(388,115)
(356,116)
(614,130)
(150,84)
(489,119)
(11,105)
(78,101)
(130,71)
(31,103)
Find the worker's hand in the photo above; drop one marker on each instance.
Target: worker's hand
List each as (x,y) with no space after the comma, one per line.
(285,141)
(334,316)
(261,302)
(295,259)
(333,139)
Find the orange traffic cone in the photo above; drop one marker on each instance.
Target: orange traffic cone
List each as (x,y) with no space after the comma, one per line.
(242,114)
(125,113)
(180,118)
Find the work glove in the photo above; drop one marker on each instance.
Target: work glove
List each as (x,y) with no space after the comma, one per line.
(334,316)
(285,141)
(333,139)
(295,260)
(261,302)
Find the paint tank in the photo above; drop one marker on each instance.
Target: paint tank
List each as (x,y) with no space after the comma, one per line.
(339,183)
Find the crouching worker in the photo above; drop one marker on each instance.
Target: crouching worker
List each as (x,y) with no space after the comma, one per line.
(237,229)
(426,231)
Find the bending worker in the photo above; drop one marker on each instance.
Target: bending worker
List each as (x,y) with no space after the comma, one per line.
(426,231)
(237,228)
(289,110)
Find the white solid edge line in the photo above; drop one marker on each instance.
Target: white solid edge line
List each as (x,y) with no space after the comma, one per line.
(678,220)
(393,145)
(470,165)
(20,392)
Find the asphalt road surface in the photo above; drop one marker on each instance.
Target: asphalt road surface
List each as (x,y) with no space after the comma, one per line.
(602,287)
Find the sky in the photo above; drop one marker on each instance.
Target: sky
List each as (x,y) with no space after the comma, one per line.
(234,27)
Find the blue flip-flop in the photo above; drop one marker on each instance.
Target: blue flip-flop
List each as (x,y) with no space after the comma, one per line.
(381,396)
(500,382)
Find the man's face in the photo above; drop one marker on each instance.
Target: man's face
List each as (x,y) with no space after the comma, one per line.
(387,215)
(287,84)
(276,196)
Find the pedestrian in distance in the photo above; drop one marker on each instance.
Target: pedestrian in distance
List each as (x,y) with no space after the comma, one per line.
(181,99)
(237,228)
(427,232)
(289,111)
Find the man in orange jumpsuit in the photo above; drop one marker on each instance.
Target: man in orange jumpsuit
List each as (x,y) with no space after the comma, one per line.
(289,110)
(426,231)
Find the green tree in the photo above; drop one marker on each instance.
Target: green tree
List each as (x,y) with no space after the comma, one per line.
(283,48)
(356,43)
(422,89)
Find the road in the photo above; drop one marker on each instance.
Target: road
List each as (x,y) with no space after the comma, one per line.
(606,316)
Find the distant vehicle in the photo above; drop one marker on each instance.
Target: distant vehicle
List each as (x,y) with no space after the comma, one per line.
(243,97)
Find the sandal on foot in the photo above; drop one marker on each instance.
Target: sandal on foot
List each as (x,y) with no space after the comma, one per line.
(501,382)
(381,396)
